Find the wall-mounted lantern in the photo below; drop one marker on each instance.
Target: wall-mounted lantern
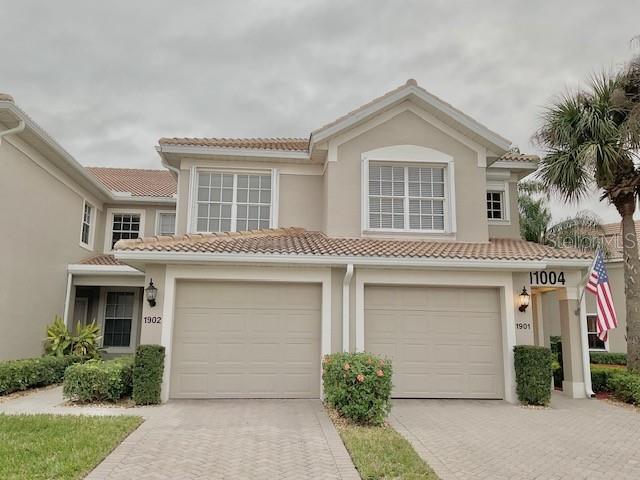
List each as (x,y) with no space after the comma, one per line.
(524,300)
(151,292)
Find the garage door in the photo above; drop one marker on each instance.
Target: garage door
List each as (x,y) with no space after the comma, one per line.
(444,342)
(246,340)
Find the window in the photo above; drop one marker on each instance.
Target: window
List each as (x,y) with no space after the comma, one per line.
(594,342)
(118,319)
(166,223)
(87,220)
(406,197)
(229,202)
(125,226)
(495,205)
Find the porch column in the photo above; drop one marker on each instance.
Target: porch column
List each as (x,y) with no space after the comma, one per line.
(573,383)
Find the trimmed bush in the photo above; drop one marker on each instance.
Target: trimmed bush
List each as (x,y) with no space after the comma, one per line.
(98,380)
(619,382)
(533,374)
(147,374)
(358,386)
(606,358)
(558,370)
(18,375)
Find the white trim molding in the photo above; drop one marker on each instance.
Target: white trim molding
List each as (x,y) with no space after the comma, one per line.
(503,188)
(83,269)
(175,273)
(89,245)
(165,212)
(135,318)
(108,231)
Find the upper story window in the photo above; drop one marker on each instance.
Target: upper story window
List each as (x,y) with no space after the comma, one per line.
(166,223)
(86,230)
(123,224)
(229,202)
(406,197)
(495,205)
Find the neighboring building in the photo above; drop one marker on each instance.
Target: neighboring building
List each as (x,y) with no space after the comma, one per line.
(393,229)
(60,219)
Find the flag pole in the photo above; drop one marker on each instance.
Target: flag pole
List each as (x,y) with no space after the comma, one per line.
(583,283)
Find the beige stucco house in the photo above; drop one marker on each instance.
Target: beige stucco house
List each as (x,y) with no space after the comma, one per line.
(393,229)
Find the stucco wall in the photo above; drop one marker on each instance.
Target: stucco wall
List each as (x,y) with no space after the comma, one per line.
(511,229)
(41,218)
(300,201)
(343,189)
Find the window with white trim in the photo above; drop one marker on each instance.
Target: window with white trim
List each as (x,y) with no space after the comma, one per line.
(592,334)
(125,226)
(166,223)
(87,221)
(406,197)
(118,319)
(230,202)
(495,205)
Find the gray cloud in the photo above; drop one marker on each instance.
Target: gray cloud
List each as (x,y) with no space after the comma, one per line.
(108,79)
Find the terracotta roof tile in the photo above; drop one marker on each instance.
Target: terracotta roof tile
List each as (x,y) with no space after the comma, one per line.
(5,97)
(285,144)
(613,238)
(297,241)
(519,157)
(108,260)
(137,182)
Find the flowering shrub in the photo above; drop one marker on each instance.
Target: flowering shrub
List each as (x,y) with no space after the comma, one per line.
(358,386)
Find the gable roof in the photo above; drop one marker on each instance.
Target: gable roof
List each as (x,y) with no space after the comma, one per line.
(136,181)
(300,242)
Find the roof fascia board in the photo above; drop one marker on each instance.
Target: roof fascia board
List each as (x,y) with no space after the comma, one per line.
(515,164)
(231,152)
(200,257)
(82,269)
(495,139)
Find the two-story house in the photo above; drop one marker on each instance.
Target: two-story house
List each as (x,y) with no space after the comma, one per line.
(393,229)
(61,221)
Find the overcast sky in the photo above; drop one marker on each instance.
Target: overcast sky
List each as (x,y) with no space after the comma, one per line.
(107,79)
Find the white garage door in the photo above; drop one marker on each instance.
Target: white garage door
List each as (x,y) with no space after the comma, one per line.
(246,340)
(444,342)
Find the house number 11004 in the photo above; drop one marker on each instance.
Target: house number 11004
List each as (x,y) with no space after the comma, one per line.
(546,278)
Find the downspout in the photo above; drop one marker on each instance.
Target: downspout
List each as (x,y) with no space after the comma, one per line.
(16,129)
(346,287)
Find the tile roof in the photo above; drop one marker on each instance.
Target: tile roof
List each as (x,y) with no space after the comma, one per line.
(613,238)
(285,144)
(106,260)
(137,182)
(297,241)
(5,97)
(519,157)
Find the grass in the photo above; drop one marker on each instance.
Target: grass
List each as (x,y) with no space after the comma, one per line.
(382,453)
(58,446)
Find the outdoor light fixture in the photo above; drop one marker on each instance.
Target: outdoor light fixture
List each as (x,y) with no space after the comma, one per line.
(524,300)
(151,294)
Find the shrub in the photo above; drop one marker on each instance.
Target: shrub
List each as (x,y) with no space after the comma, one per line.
(558,370)
(98,380)
(533,374)
(33,372)
(600,378)
(358,386)
(625,386)
(147,374)
(606,358)
(60,341)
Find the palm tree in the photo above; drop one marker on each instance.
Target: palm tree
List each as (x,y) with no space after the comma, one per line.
(535,216)
(591,139)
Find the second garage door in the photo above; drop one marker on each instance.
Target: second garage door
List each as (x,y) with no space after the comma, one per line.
(246,340)
(444,342)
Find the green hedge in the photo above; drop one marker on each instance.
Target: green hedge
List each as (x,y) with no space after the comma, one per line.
(147,374)
(606,358)
(98,380)
(358,386)
(533,374)
(558,370)
(18,375)
(622,384)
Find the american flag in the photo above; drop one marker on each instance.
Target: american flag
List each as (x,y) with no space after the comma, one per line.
(598,284)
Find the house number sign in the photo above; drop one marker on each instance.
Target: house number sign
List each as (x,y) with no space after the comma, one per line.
(546,277)
(154,319)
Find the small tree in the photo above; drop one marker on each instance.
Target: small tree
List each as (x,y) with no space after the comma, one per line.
(591,139)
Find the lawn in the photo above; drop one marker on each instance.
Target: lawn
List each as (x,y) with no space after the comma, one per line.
(382,453)
(58,446)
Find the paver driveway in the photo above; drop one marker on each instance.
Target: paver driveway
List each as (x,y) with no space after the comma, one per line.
(234,439)
(473,439)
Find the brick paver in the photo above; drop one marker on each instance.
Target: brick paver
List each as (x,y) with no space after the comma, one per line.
(232,439)
(574,439)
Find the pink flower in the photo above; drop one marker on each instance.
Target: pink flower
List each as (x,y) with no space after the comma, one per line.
(380,373)
(347,366)
(360,378)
